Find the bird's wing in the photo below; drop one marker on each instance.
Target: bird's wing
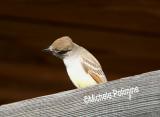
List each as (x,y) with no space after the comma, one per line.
(92,66)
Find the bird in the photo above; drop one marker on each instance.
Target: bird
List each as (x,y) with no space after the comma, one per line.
(82,67)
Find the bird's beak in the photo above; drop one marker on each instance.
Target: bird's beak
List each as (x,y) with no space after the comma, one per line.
(46,50)
(49,51)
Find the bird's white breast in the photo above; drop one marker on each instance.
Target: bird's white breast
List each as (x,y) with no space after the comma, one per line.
(76,72)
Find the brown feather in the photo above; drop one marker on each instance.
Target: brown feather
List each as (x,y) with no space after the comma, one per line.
(92,67)
(95,77)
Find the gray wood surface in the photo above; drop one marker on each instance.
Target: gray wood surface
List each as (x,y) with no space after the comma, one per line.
(145,103)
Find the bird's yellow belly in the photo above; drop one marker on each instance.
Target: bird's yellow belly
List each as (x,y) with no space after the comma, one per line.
(83,84)
(80,78)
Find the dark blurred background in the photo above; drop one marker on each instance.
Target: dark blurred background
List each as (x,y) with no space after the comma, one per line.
(123,35)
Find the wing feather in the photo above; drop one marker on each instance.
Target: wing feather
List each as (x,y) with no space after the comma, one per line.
(92,66)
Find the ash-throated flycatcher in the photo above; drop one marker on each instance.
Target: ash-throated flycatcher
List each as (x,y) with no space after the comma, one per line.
(82,67)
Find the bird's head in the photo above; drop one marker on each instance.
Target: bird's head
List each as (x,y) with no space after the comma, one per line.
(61,47)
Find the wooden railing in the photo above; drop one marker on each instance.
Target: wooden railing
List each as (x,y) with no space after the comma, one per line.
(135,96)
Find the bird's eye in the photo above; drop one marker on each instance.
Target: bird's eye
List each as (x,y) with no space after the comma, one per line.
(62,52)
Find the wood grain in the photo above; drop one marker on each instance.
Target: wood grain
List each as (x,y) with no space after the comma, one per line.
(124,36)
(145,103)
(83,13)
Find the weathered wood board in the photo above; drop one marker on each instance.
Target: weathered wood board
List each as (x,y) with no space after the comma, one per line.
(142,101)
